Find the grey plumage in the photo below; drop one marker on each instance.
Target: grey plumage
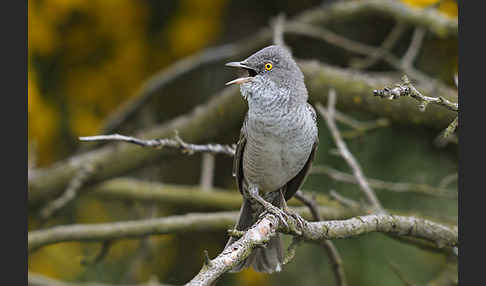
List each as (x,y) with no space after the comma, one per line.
(277,143)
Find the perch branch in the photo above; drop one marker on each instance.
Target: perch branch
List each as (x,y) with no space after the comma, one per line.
(400,225)
(269,225)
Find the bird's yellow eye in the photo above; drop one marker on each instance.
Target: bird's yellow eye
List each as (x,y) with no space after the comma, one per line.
(268,66)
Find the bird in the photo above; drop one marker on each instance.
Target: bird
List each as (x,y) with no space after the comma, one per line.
(277,144)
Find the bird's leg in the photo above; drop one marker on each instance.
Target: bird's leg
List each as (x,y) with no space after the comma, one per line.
(300,220)
(254,194)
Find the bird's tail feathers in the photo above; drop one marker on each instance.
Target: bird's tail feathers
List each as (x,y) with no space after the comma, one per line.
(266,259)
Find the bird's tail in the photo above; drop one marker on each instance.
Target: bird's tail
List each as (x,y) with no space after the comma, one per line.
(268,259)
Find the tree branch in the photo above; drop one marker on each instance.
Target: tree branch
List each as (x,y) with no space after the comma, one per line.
(192,196)
(332,252)
(431,19)
(345,153)
(176,143)
(407,89)
(333,229)
(268,226)
(398,187)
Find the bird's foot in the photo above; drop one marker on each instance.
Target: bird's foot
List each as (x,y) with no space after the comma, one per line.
(301,222)
(280,214)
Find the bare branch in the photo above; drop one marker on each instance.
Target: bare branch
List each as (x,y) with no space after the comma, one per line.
(414,48)
(385,48)
(336,262)
(398,187)
(433,20)
(192,197)
(346,201)
(447,180)
(207,172)
(410,226)
(291,250)
(278,28)
(407,89)
(360,48)
(310,203)
(177,143)
(331,250)
(451,128)
(105,248)
(84,174)
(343,149)
(268,226)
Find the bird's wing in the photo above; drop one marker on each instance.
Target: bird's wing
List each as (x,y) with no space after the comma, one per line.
(293,185)
(238,159)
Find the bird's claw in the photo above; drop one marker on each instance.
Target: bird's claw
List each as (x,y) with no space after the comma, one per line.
(281,215)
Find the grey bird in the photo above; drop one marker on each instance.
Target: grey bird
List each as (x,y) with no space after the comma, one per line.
(277,145)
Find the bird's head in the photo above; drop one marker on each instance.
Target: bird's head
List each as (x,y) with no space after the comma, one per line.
(270,66)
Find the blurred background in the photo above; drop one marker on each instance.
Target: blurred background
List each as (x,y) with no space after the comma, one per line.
(86,58)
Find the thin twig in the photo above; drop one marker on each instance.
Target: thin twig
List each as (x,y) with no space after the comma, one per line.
(144,252)
(177,143)
(406,88)
(346,201)
(447,180)
(105,248)
(291,250)
(345,153)
(70,193)
(414,47)
(359,48)
(385,47)
(441,235)
(310,203)
(399,187)
(278,30)
(330,248)
(207,172)
(336,262)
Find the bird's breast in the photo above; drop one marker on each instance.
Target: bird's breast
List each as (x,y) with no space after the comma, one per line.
(278,146)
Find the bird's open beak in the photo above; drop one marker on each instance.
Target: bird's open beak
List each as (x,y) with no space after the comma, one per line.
(242,65)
